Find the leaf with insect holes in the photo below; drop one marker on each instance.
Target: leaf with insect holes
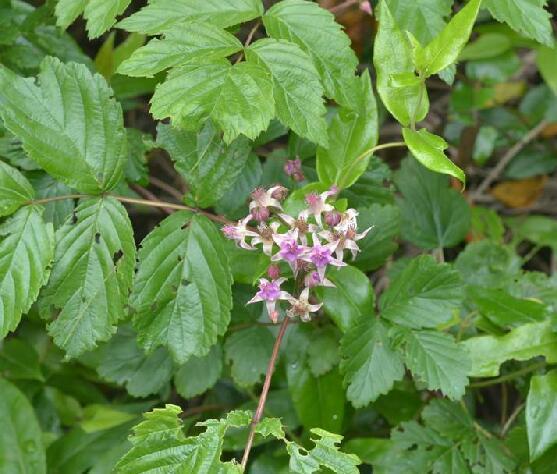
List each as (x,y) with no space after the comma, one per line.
(239,97)
(91,276)
(182,296)
(26,251)
(69,124)
(159,15)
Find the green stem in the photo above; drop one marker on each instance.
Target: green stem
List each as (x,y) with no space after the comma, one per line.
(511,376)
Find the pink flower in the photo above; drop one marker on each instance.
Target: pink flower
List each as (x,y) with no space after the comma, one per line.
(317,204)
(273,271)
(301,307)
(290,250)
(239,233)
(322,256)
(345,240)
(270,292)
(265,236)
(262,198)
(313,279)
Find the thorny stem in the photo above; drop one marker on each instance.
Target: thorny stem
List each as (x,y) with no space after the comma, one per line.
(266,385)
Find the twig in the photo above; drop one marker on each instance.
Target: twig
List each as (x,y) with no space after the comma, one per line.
(248,41)
(511,419)
(159,183)
(263,397)
(511,376)
(506,158)
(150,196)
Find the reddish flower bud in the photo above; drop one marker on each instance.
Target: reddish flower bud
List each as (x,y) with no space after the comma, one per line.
(333,218)
(260,214)
(366,7)
(291,167)
(279,193)
(273,272)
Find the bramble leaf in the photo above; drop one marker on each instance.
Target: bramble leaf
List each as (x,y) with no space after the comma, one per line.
(369,363)
(181,43)
(297,88)
(91,275)
(26,252)
(159,15)
(424,295)
(15,190)
(239,97)
(541,414)
(199,374)
(181,295)
(69,124)
(314,29)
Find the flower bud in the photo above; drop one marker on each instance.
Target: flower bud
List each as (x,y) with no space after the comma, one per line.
(273,272)
(279,193)
(292,167)
(366,7)
(332,218)
(260,214)
(312,280)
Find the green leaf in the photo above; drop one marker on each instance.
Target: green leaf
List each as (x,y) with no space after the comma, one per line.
(322,353)
(352,133)
(505,310)
(380,242)
(99,417)
(159,15)
(369,363)
(425,294)
(160,445)
(182,295)
(20,361)
(319,401)
(527,17)
(545,59)
(100,14)
(297,89)
(15,190)
(199,374)
(314,29)
(428,149)
(123,362)
(437,360)
(21,443)
(248,351)
(208,165)
(325,453)
(407,99)
(181,43)
(239,97)
(444,49)
(91,276)
(26,251)
(522,343)
(55,212)
(541,414)
(351,298)
(69,124)
(432,214)
(423,18)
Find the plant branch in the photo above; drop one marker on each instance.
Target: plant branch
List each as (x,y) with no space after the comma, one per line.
(266,385)
(506,158)
(248,40)
(159,183)
(57,198)
(150,196)
(511,419)
(511,376)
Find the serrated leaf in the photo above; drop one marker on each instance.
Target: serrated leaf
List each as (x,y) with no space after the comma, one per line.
(351,297)
(444,49)
(522,343)
(15,190)
(91,275)
(159,15)
(352,133)
(314,29)
(209,166)
(179,44)
(199,374)
(423,18)
(437,360)
(26,251)
(20,361)
(69,124)
(432,214)
(369,363)
(21,442)
(270,427)
(527,17)
(297,88)
(428,149)
(325,453)
(182,295)
(248,351)
(406,100)
(239,97)
(100,14)
(541,414)
(159,444)
(55,212)
(123,362)
(424,295)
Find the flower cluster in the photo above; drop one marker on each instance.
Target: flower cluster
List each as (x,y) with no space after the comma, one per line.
(309,244)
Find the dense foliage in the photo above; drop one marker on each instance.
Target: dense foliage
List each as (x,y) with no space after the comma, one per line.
(278,236)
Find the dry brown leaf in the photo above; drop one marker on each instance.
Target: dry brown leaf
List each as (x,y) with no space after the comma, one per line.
(520,193)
